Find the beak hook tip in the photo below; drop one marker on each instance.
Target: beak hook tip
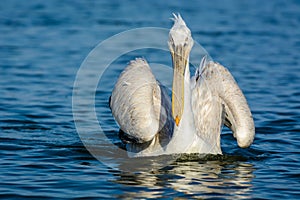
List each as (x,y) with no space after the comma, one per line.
(177,120)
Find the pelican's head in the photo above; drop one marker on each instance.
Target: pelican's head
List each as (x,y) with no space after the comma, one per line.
(180,44)
(180,37)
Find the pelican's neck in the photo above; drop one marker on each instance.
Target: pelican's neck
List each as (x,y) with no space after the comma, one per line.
(187,109)
(187,83)
(184,134)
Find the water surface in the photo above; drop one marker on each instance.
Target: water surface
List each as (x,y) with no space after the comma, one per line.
(42,45)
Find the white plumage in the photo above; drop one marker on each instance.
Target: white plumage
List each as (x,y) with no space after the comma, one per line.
(192,120)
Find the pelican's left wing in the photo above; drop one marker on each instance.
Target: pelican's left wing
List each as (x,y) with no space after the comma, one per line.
(136,102)
(225,101)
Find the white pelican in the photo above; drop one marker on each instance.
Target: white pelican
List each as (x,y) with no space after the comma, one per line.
(192,120)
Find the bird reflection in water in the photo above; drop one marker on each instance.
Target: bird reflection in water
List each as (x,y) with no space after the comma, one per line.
(195,179)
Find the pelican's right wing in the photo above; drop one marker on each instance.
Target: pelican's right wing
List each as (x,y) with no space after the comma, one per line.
(136,102)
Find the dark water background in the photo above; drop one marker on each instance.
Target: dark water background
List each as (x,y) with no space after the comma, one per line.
(42,45)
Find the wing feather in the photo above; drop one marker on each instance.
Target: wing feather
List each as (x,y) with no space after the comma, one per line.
(216,87)
(207,109)
(136,101)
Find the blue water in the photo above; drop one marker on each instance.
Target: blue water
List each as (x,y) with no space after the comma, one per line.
(42,45)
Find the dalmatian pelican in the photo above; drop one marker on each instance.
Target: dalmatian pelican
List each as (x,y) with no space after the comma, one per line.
(151,123)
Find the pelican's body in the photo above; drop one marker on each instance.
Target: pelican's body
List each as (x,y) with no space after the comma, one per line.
(191,121)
